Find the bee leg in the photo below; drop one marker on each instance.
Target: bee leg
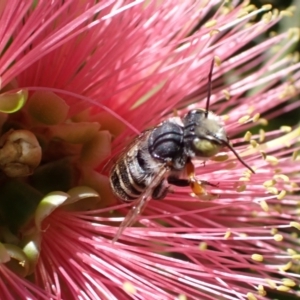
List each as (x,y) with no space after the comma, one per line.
(178,181)
(196,185)
(204,182)
(187,182)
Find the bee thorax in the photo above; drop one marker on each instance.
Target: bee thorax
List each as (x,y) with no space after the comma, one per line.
(166,144)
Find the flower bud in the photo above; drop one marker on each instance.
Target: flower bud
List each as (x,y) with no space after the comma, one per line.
(20,153)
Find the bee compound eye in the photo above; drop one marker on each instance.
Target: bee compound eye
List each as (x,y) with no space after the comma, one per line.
(205,147)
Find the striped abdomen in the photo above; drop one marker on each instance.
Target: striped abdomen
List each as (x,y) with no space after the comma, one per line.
(134,172)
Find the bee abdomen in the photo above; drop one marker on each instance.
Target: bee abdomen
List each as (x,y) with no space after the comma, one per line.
(122,182)
(118,189)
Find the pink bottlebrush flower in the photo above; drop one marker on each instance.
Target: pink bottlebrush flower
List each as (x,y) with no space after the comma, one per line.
(79,74)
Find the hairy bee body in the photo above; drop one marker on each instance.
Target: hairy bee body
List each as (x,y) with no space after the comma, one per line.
(167,147)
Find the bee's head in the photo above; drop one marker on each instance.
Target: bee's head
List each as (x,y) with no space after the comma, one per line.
(204,133)
(204,136)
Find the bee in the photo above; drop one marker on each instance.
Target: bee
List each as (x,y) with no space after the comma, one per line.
(158,157)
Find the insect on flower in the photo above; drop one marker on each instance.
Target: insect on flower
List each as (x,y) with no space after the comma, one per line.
(159,156)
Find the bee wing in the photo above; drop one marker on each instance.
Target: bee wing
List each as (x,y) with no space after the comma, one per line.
(140,203)
(115,158)
(132,215)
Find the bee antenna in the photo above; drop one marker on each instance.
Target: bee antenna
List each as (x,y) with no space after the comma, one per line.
(209,87)
(237,156)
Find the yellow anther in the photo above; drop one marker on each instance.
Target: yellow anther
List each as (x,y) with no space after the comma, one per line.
(269,183)
(247,136)
(227,234)
(283,288)
(242,13)
(267,17)
(272,160)
(257,257)
(218,60)
(295,225)
(261,290)
(250,296)
(271,283)
(244,119)
(286,13)
(247,173)
(226,94)
(256,117)
(262,135)
(275,12)
(288,282)
(281,195)
(263,122)
(244,179)
(285,267)
(295,155)
(250,8)
(294,185)
(267,6)
(286,129)
(210,23)
(272,190)
(291,251)
(274,231)
(278,237)
(225,117)
(253,143)
(264,205)
(203,246)
(282,177)
(214,32)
